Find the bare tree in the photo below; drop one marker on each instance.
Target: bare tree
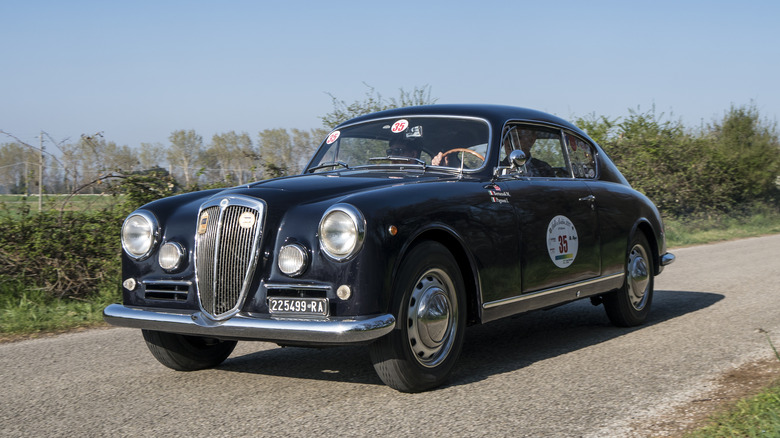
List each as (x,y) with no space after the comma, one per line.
(233,155)
(186,148)
(151,155)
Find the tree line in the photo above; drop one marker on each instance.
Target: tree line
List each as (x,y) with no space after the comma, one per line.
(230,157)
(729,163)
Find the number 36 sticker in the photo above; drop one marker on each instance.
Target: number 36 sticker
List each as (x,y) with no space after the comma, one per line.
(562,241)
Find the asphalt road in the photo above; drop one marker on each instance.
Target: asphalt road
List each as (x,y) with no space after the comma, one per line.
(562,372)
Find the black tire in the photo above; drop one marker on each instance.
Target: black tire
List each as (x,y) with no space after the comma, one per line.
(431,309)
(187,353)
(630,305)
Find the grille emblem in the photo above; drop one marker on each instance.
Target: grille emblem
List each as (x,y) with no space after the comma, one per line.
(203,223)
(246,220)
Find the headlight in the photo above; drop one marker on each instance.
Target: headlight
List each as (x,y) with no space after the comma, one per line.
(341,231)
(293,259)
(171,256)
(139,234)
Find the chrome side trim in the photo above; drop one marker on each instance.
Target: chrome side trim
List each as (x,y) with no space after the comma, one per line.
(335,331)
(544,292)
(667,259)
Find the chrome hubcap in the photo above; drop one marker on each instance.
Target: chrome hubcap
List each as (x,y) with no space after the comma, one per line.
(432,317)
(638,277)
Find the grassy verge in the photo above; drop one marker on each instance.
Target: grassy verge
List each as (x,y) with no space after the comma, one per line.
(27,312)
(686,232)
(757,416)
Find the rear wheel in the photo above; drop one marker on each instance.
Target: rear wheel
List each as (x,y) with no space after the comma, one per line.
(420,353)
(187,353)
(630,305)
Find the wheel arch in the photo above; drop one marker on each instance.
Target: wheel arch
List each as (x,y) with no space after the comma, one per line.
(644,227)
(465,260)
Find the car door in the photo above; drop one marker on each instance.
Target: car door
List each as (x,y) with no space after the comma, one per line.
(558,236)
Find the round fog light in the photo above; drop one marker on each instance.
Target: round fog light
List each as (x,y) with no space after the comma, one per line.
(293,259)
(171,255)
(129,284)
(344,292)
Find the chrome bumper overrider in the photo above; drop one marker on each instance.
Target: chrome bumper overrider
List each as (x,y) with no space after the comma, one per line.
(667,259)
(345,330)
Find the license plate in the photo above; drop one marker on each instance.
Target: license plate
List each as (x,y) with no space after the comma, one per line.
(299,306)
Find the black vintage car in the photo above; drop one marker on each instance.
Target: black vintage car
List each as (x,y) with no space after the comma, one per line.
(406,226)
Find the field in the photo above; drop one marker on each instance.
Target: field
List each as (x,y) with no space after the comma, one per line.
(11,203)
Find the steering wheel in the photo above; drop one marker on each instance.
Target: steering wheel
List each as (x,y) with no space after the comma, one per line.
(475,153)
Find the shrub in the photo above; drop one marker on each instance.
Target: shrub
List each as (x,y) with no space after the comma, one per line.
(727,167)
(67,254)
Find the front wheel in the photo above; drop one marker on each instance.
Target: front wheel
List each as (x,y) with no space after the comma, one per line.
(630,305)
(187,353)
(420,353)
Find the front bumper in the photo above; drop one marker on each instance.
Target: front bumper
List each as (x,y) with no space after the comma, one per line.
(328,331)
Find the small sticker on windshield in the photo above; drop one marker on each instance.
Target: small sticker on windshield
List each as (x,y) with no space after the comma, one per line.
(333,137)
(400,126)
(415,132)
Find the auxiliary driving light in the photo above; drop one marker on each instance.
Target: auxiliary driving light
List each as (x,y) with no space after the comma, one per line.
(293,259)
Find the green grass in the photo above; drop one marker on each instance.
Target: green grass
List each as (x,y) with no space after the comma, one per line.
(714,229)
(57,202)
(757,416)
(25,312)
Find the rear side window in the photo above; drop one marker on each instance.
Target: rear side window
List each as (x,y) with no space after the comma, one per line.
(581,155)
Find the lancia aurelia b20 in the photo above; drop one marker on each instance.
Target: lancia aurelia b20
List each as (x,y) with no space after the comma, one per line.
(406,226)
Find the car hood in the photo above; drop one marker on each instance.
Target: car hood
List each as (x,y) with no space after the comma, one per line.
(314,188)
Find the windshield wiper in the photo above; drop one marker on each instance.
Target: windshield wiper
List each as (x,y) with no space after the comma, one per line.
(331,164)
(398,158)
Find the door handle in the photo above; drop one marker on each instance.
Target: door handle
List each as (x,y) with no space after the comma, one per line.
(591,199)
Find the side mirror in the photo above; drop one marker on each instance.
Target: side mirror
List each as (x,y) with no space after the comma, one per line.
(517,159)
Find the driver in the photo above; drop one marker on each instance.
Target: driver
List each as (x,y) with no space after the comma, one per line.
(436,160)
(402,147)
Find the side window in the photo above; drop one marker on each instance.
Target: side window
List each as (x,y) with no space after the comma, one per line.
(581,156)
(543,149)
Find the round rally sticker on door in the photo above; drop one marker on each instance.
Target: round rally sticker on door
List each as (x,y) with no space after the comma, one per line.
(562,241)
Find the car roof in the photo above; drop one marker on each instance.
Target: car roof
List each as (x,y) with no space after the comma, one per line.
(495,114)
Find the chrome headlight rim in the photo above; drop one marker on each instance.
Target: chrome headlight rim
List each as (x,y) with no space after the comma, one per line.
(179,251)
(152,239)
(358,231)
(298,250)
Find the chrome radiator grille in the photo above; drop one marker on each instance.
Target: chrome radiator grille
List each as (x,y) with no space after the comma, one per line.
(228,235)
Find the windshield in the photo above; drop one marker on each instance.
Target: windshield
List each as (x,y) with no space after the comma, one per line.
(446,142)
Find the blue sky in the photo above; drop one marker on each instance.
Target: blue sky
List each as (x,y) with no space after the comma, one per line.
(138,70)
